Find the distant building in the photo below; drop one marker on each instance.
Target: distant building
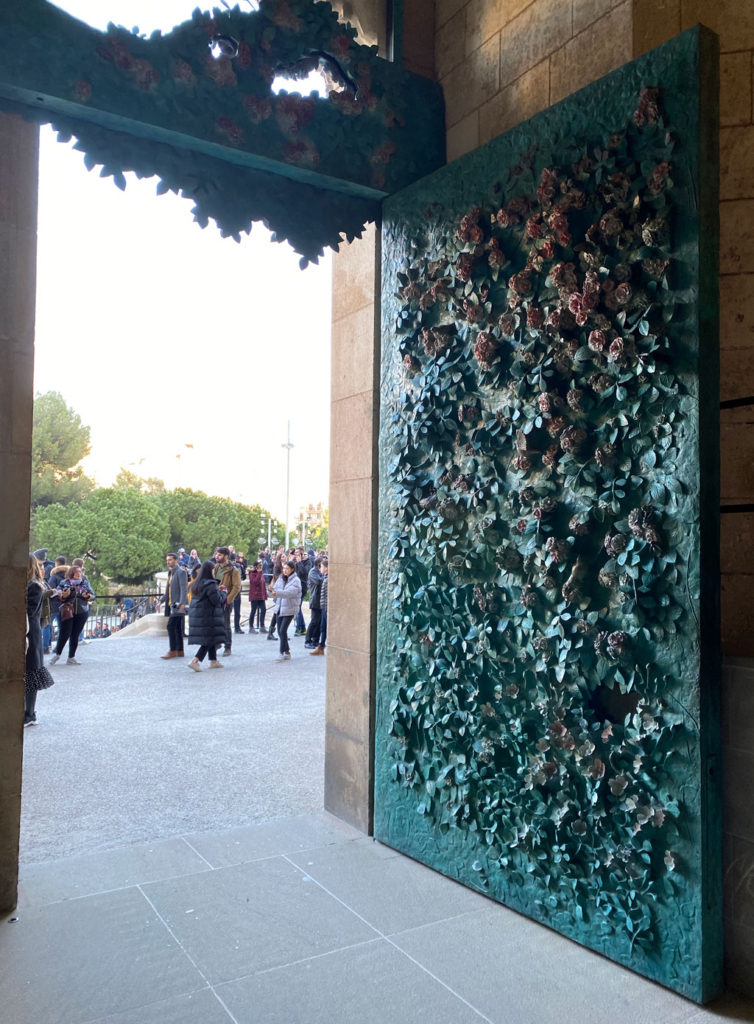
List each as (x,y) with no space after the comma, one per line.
(313,516)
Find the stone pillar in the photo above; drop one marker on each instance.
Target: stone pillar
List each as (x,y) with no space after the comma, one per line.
(351,619)
(19,152)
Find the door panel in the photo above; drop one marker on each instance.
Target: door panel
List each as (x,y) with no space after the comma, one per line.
(548,654)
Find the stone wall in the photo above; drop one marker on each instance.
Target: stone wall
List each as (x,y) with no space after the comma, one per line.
(18,248)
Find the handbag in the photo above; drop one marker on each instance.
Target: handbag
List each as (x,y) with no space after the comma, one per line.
(66,611)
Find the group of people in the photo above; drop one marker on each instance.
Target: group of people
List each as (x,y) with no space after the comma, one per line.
(54,591)
(210,594)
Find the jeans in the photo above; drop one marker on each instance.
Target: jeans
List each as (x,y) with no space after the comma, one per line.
(284,622)
(258,612)
(228,631)
(237,614)
(46,635)
(175,631)
(312,633)
(323,628)
(300,622)
(70,631)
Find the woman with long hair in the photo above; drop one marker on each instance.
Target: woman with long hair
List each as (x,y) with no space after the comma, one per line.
(257,597)
(206,619)
(37,676)
(287,593)
(76,596)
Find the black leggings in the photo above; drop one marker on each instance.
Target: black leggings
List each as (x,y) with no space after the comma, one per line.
(284,622)
(70,630)
(204,650)
(258,611)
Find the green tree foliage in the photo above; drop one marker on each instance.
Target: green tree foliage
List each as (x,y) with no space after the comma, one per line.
(60,442)
(127,531)
(319,538)
(126,480)
(130,531)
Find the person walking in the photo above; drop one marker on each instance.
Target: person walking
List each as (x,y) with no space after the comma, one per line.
(37,676)
(229,578)
(76,596)
(257,597)
(320,648)
(314,584)
(176,599)
(287,593)
(207,621)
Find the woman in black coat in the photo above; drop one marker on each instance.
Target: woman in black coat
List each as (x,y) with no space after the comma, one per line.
(37,676)
(206,619)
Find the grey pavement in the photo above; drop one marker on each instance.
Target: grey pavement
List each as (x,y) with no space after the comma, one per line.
(131,748)
(252,905)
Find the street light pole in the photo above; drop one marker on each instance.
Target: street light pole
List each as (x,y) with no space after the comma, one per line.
(288,447)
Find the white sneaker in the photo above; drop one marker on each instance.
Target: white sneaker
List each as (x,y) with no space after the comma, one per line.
(54,659)
(72,661)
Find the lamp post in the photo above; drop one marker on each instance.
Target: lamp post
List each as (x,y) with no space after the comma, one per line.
(288,447)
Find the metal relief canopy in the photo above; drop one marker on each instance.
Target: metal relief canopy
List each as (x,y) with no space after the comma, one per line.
(207,123)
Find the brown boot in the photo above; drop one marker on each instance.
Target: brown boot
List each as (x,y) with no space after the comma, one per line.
(317,650)
(170,654)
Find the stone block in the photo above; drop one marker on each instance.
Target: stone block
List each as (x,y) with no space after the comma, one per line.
(737,705)
(353,428)
(586,12)
(10,824)
(18,269)
(350,697)
(449,44)
(737,544)
(350,613)
(738,807)
(735,88)
(486,17)
(355,353)
(655,21)
(355,275)
(463,137)
(16,409)
(538,31)
(348,760)
(731,19)
(737,236)
(447,9)
(736,372)
(600,48)
(737,311)
(739,958)
(737,162)
(472,83)
(737,616)
(15,480)
(19,172)
(515,103)
(737,455)
(352,519)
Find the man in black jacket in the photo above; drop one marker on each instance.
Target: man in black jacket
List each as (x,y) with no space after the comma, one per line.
(303,566)
(315,586)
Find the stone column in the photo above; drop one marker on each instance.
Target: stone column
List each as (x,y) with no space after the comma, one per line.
(351,640)
(19,153)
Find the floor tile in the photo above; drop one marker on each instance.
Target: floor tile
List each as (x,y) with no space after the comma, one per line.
(111,869)
(239,920)
(390,891)
(201,1007)
(73,962)
(372,984)
(268,839)
(575,984)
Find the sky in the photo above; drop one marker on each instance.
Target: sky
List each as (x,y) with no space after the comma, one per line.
(185,353)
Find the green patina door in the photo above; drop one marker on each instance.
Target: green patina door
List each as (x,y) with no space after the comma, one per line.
(547,724)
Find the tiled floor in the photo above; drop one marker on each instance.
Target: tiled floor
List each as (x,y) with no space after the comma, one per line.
(298,921)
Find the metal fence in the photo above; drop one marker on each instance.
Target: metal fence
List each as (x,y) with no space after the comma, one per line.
(108,614)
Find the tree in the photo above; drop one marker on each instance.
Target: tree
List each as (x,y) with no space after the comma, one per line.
(127,531)
(200,521)
(60,441)
(319,538)
(127,481)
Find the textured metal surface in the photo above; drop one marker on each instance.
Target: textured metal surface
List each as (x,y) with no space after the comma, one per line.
(548,650)
(313,168)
